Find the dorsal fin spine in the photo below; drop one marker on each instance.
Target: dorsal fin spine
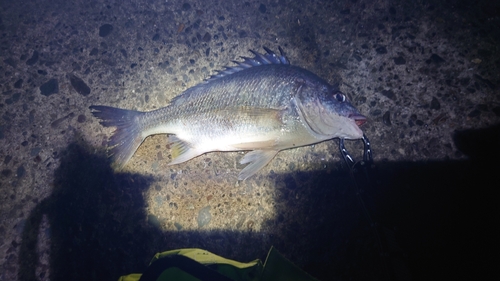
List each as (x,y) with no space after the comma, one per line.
(258,60)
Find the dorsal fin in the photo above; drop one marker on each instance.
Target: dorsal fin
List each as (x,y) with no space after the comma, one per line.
(259,59)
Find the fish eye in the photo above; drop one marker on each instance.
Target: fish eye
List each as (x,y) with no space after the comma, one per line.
(339,97)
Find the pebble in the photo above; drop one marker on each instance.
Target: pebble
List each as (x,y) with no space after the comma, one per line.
(435,104)
(124,53)
(204,216)
(154,221)
(79,85)
(18,84)
(435,59)
(50,87)
(15,97)
(105,30)
(81,118)
(386,118)
(20,171)
(33,59)
(389,93)
(11,62)
(207,37)
(242,34)
(474,113)
(178,225)
(6,172)
(262,8)
(7,159)
(399,61)
(35,151)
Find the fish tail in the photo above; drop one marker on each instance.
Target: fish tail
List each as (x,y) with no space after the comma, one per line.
(128,134)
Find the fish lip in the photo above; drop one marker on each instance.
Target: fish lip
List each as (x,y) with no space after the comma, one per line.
(358,118)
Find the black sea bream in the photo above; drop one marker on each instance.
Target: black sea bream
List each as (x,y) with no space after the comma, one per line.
(262,104)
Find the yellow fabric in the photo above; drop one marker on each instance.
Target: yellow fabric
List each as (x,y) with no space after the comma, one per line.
(276,267)
(130,277)
(204,257)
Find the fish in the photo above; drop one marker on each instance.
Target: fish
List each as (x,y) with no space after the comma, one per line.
(262,104)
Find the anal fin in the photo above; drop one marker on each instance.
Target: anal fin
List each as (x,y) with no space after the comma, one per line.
(257,159)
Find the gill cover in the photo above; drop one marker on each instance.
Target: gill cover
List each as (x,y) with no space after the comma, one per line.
(328,116)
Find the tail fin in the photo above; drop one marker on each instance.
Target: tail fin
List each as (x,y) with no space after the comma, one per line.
(127,136)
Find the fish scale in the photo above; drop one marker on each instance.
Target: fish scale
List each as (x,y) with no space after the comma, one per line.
(262,104)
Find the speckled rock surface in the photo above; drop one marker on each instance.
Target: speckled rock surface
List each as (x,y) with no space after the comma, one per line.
(426,74)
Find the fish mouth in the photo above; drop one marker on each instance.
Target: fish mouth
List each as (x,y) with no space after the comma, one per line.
(358,119)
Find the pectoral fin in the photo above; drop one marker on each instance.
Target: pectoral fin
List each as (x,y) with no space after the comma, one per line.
(257,159)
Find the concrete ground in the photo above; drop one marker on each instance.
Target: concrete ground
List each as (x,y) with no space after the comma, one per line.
(425,74)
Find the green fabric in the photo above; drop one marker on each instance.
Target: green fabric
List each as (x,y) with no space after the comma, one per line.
(177,274)
(233,269)
(276,267)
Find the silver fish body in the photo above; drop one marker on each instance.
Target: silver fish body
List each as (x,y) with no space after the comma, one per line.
(262,104)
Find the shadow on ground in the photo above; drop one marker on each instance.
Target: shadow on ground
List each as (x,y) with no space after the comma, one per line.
(410,220)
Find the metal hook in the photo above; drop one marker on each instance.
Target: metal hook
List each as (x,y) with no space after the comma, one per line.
(367,153)
(362,178)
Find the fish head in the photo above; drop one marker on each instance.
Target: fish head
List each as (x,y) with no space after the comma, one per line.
(328,112)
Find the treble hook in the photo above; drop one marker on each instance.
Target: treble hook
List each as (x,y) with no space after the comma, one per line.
(361,182)
(367,153)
